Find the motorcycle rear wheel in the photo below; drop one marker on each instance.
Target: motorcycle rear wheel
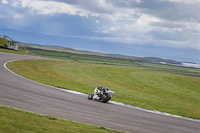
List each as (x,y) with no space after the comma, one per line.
(90,97)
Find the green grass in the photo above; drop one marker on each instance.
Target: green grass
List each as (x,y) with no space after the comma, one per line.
(3,42)
(116,62)
(139,86)
(16,121)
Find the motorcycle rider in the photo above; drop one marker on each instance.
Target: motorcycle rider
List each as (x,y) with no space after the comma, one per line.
(107,89)
(102,94)
(99,90)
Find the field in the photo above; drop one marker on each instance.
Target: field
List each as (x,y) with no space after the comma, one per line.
(83,58)
(15,121)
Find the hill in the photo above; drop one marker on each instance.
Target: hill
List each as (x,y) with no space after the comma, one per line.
(26,47)
(84,52)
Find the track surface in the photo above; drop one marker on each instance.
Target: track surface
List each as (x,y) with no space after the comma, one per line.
(24,94)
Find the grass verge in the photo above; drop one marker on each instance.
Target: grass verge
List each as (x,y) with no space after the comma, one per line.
(155,90)
(17,121)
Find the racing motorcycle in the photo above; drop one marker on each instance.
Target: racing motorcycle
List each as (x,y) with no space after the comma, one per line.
(101,94)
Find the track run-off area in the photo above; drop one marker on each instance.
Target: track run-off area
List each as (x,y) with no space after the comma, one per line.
(24,94)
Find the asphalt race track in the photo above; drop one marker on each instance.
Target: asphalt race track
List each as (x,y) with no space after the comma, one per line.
(20,93)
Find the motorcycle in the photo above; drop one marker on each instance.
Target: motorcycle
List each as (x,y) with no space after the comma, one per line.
(103,95)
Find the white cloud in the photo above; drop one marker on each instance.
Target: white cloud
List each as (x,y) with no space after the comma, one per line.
(16,4)
(18,16)
(97,22)
(97,8)
(52,8)
(115,28)
(4,1)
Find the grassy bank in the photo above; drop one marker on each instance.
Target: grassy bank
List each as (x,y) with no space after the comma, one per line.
(3,48)
(139,86)
(15,121)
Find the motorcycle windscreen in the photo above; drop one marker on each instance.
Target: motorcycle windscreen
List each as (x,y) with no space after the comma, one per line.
(111,92)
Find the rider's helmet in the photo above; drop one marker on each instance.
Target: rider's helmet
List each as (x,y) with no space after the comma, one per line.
(107,88)
(100,88)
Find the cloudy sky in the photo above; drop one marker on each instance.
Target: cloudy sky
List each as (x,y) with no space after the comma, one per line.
(159,28)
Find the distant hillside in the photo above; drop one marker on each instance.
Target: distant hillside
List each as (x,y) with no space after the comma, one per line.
(70,50)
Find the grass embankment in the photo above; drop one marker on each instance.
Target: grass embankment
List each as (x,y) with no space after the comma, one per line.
(3,48)
(16,121)
(155,90)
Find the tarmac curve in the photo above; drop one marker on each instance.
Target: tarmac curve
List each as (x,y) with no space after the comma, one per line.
(24,94)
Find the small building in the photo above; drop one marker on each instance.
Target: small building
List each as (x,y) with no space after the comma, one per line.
(13,45)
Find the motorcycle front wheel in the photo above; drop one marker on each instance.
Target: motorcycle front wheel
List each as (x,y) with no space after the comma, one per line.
(105,98)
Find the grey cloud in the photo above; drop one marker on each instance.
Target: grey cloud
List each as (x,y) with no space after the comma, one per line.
(167,25)
(166,10)
(97,6)
(171,11)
